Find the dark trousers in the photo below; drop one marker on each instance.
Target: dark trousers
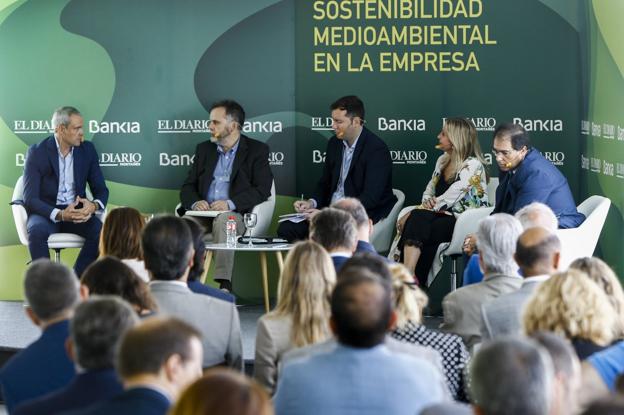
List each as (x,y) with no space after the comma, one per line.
(40,228)
(293,232)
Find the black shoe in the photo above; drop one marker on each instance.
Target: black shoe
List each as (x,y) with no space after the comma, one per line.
(224,285)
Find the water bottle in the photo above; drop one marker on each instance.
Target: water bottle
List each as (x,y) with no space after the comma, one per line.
(230,232)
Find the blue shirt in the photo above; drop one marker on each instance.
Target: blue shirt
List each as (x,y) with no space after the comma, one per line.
(609,364)
(66,190)
(220,187)
(347,157)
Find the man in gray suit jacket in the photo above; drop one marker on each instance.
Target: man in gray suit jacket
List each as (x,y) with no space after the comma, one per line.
(537,254)
(497,236)
(168,251)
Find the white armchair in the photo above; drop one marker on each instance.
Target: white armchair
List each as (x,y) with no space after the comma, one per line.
(384,229)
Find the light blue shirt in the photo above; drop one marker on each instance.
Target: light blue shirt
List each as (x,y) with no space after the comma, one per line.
(609,363)
(347,156)
(219,188)
(66,191)
(347,381)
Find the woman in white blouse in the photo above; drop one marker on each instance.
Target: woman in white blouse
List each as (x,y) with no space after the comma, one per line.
(458,183)
(301,316)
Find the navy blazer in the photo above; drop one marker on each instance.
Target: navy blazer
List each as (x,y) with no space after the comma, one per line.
(339,261)
(199,288)
(134,401)
(39,369)
(41,176)
(250,180)
(85,389)
(369,178)
(537,180)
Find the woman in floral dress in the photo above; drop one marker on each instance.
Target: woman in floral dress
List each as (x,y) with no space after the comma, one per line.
(458,183)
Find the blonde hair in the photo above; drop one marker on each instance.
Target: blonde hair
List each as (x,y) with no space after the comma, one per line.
(571,304)
(462,134)
(602,274)
(409,300)
(304,292)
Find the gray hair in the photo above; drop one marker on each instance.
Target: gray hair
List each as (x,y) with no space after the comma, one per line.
(96,329)
(512,376)
(62,115)
(51,289)
(355,208)
(333,229)
(537,214)
(496,238)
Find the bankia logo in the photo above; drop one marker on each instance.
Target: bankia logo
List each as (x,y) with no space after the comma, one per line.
(114,127)
(175,160)
(539,124)
(399,124)
(608,131)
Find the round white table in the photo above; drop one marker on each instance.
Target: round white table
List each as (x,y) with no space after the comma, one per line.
(262,249)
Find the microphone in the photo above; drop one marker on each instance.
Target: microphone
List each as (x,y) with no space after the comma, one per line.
(340,134)
(508,165)
(438,147)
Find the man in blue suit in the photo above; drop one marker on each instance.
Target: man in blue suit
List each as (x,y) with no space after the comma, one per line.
(95,330)
(56,173)
(359,375)
(51,291)
(335,230)
(527,177)
(157,360)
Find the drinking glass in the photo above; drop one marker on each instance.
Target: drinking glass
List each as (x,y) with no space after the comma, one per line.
(250,220)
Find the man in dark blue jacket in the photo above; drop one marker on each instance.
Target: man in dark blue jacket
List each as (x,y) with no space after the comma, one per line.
(51,291)
(95,330)
(527,177)
(56,173)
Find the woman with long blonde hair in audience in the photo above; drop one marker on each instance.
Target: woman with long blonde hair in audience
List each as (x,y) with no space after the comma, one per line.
(602,274)
(571,304)
(121,238)
(409,302)
(223,392)
(301,316)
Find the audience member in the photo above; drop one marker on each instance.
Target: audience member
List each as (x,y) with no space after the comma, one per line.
(301,316)
(110,276)
(572,305)
(458,183)
(537,255)
(363,224)
(51,291)
(357,164)
(598,271)
(121,238)
(532,215)
(346,379)
(199,259)
(409,301)
(95,330)
(600,371)
(168,252)
(223,392)
(156,361)
(511,376)
(613,405)
(567,371)
(335,231)
(497,235)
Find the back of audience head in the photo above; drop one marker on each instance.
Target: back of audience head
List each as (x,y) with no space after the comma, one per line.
(598,271)
(496,237)
(165,350)
(537,252)
(304,291)
(110,276)
(223,392)
(537,214)
(572,305)
(369,261)
(167,248)
(121,233)
(356,209)
(361,308)
(613,405)
(199,246)
(409,300)
(511,376)
(96,328)
(334,230)
(51,290)
(567,370)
